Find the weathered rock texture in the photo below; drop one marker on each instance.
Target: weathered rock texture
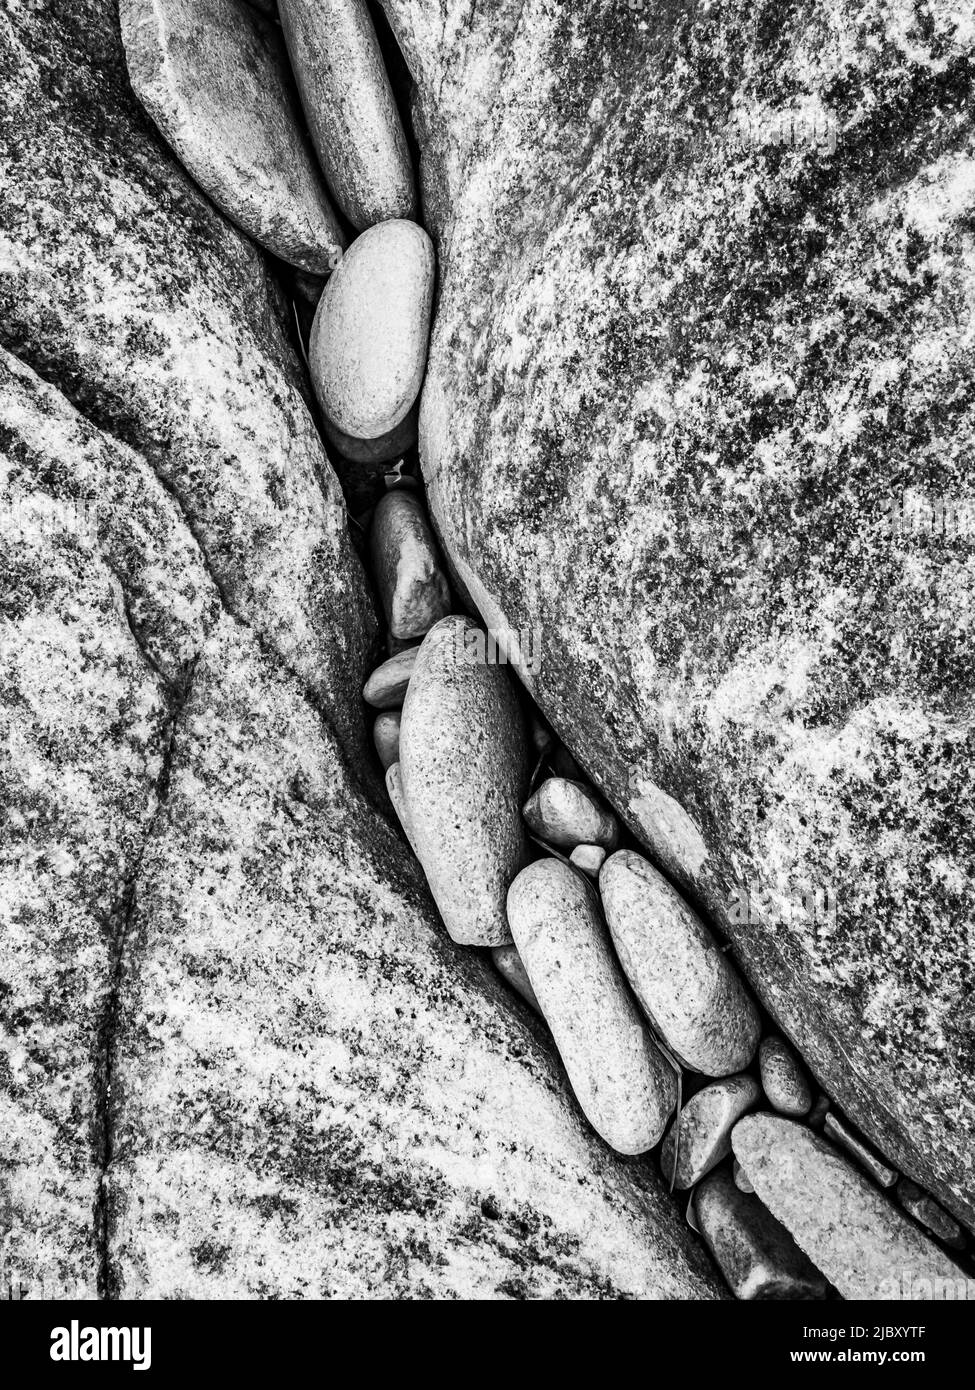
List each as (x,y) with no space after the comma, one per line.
(240,1057)
(676,382)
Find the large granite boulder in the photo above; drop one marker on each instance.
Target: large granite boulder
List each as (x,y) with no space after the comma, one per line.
(239,1055)
(682,376)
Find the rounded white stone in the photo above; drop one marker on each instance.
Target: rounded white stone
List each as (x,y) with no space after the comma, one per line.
(564,813)
(368,345)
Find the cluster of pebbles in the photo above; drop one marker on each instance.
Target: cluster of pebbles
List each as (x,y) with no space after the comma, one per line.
(287,120)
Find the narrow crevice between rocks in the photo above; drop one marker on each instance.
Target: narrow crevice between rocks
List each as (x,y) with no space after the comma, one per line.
(107,1034)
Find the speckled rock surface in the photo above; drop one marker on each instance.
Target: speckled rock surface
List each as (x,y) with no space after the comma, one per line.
(463,761)
(620,1077)
(678,378)
(350,108)
(224,988)
(851,1231)
(213,75)
(687,986)
(511,967)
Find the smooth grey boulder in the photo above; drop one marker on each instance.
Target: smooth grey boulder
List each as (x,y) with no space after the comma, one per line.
(412,586)
(385,737)
(686,984)
(510,965)
(754,1252)
(352,115)
(565,814)
(368,347)
(850,1230)
(627,396)
(463,761)
(213,76)
(700,1136)
(622,1081)
(387,686)
(783,1079)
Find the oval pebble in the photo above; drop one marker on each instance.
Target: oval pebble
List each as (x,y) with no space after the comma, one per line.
(864,1245)
(741,1178)
(351,111)
(412,587)
(754,1252)
(509,964)
(588,858)
(368,347)
(213,75)
(689,988)
(387,686)
(624,1085)
(463,754)
(783,1080)
(706,1122)
(385,735)
(566,814)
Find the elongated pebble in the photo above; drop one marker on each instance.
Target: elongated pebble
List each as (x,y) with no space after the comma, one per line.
(412,586)
(688,987)
(566,814)
(705,1124)
(385,735)
(394,787)
(841,1134)
(509,964)
(213,75)
(864,1245)
(588,858)
(387,686)
(922,1206)
(463,757)
(624,1085)
(368,347)
(754,1252)
(783,1079)
(352,115)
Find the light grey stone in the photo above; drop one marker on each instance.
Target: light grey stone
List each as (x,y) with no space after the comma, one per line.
(841,1134)
(368,344)
(689,988)
(351,110)
(463,756)
(566,814)
(705,1126)
(394,787)
(213,75)
(510,965)
(622,1081)
(387,686)
(850,1230)
(754,1252)
(412,586)
(385,736)
(588,858)
(922,1206)
(741,1178)
(783,1079)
